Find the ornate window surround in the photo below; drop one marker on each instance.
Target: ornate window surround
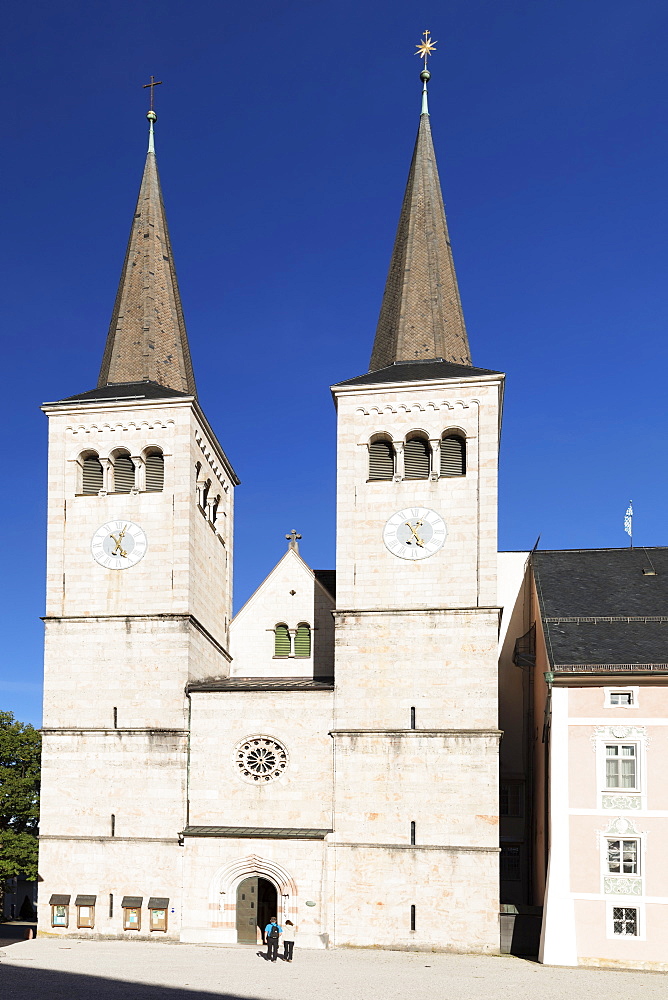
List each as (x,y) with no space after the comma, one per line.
(628,890)
(627,801)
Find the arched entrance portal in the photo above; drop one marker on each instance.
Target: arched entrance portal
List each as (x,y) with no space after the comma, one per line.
(257,903)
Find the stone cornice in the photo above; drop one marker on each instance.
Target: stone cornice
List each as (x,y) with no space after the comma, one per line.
(145,618)
(99,731)
(415,611)
(451,848)
(447,385)
(448,733)
(110,840)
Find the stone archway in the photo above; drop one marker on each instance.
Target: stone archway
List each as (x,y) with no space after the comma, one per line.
(227,880)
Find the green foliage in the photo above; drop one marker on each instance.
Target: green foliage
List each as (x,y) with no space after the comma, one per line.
(20,752)
(18,855)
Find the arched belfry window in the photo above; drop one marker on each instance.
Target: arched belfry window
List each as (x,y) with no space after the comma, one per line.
(303,640)
(453,455)
(281,640)
(91,475)
(417,455)
(124,474)
(381,460)
(155,472)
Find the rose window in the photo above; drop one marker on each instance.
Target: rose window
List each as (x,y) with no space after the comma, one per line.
(261,759)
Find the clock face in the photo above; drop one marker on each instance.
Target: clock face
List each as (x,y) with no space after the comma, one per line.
(118,544)
(414,533)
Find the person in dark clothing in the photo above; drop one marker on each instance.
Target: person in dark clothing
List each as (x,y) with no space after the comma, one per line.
(271,935)
(288,940)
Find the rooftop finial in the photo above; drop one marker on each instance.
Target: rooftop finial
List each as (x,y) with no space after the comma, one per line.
(293,540)
(424,49)
(151,115)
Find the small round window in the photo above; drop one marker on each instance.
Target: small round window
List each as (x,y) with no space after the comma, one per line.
(260,759)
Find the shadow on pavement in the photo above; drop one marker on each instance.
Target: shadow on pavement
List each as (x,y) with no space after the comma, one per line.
(16,930)
(21,983)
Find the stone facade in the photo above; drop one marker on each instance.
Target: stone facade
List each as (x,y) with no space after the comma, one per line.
(340,751)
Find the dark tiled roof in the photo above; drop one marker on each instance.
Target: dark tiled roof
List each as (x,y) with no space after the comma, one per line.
(158,902)
(264,684)
(147,335)
(327,578)
(126,390)
(418,371)
(257,832)
(132,901)
(604,607)
(421,313)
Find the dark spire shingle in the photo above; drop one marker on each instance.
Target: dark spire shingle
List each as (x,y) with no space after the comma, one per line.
(421,314)
(147,336)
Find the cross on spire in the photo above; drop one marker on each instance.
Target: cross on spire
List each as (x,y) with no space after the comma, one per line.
(152,84)
(424,48)
(293,542)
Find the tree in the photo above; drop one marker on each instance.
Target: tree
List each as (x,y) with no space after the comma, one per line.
(20,753)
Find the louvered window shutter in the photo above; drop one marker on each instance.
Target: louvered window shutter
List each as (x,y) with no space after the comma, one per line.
(155,473)
(124,474)
(416,459)
(281,641)
(381,460)
(92,475)
(303,640)
(453,456)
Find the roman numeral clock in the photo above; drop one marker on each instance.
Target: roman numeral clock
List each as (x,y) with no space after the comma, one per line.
(414,533)
(119,544)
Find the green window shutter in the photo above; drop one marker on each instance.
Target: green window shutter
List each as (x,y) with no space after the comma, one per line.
(453,456)
(381,460)
(92,475)
(303,640)
(124,474)
(155,473)
(281,641)
(416,459)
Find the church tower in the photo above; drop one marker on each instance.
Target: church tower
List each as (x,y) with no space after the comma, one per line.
(139,584)
(415,728)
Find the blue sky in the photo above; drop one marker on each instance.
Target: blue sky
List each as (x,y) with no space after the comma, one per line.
(284,138)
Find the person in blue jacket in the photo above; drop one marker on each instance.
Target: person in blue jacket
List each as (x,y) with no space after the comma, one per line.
(272,934)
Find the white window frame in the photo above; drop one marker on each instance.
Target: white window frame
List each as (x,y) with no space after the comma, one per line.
(621,789)
(609,691)
(621,735)
(629,904)
(621,838)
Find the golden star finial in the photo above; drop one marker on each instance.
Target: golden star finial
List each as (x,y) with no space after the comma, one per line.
(426,46)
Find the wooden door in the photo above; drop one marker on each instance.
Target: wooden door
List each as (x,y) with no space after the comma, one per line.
(247,896)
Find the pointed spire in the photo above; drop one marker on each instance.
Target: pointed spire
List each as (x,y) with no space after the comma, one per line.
(147,336)
(421,313)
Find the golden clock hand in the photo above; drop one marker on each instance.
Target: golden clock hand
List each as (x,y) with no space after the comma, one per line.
(118,548)
(417,537)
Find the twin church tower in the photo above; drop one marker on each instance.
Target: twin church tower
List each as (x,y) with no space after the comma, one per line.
(330,754)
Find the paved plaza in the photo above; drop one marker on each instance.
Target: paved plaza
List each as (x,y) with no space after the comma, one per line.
(86,970)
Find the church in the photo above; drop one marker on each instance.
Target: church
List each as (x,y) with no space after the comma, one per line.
(331,753)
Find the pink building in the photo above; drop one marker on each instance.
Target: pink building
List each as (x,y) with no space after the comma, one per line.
(591,846)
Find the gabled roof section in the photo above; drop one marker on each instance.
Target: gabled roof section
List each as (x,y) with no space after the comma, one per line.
(421,313)
(434,370)
(147,336)
(604,610)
